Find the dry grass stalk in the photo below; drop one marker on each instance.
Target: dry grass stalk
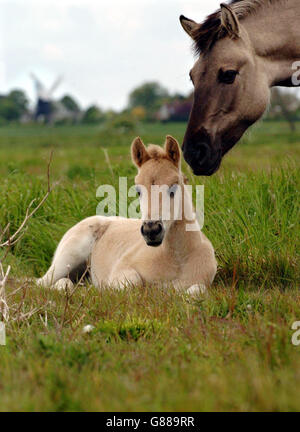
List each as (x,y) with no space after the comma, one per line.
(11,240)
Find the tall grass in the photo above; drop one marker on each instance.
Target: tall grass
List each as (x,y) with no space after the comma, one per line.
(151,349)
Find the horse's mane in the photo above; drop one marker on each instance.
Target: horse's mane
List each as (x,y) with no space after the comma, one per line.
(211,30)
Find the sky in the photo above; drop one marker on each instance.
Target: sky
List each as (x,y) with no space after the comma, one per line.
(102,49)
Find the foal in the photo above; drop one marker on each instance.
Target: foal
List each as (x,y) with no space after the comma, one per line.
(156,249)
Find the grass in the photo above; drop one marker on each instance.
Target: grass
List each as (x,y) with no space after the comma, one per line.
(151,349)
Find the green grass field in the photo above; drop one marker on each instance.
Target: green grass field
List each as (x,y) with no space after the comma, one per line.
(151,349)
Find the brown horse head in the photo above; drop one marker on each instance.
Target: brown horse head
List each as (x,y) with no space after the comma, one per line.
(231,87)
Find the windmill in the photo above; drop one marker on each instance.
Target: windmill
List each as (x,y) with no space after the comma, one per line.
(44,99)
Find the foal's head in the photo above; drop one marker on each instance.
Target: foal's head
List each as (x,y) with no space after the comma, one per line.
(159,184)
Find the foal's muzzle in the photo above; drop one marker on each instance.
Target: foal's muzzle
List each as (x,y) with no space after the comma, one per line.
(153,233)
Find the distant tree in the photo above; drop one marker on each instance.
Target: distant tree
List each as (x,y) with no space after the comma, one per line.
(178,97)
(13,106)
(139,112)
(123,123)
(70,104)
(284,105)
(149,95)
(110,115)
(8,111)
(93,115)
(20,100)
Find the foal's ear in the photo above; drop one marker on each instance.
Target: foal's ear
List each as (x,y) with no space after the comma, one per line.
(189,26)
(172,150)
(230,21)
(139,152)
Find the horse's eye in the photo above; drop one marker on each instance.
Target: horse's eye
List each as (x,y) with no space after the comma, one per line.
(138,191)
(172,190)
(227,77)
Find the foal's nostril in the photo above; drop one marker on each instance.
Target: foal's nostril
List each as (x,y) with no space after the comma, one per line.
(159,228)
(151,228)
(153,233)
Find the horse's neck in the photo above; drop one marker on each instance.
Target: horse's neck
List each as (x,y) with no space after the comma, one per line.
(275,35)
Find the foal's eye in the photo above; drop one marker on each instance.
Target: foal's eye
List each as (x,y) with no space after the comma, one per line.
(227,77)
(172,190)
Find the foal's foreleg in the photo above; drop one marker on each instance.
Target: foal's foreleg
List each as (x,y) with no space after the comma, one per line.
(200,270)
(73,250)
(123,278)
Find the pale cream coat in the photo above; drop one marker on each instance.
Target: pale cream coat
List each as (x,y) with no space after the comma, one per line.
(117,250)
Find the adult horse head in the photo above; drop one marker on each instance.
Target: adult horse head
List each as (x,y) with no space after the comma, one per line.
(243,52)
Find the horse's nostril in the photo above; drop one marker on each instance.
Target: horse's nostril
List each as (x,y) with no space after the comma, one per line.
(202,153)
(198,153)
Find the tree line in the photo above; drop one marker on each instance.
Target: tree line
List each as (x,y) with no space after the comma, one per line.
(149,101)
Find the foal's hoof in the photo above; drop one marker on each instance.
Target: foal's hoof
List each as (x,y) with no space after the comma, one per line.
(64,284)
(40,282)
(196,290)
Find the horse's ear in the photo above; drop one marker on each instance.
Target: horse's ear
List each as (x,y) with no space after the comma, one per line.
(172,150)
(189,26)
(139,152)
(230,21)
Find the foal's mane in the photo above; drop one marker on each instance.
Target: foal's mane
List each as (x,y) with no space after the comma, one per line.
(210,31)
(156,152)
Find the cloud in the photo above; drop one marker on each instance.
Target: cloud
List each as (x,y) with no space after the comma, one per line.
(52,52)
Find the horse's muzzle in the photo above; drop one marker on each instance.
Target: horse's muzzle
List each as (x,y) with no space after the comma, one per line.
(199,153)
(153,233)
